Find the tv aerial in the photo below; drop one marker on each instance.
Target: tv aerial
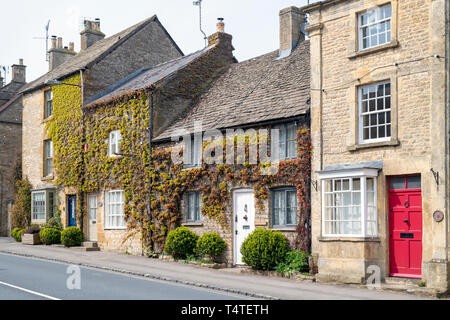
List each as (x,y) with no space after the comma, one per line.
(47,56)
(199,4)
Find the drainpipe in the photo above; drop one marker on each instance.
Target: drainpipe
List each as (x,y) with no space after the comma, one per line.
(150,142)
(83,145)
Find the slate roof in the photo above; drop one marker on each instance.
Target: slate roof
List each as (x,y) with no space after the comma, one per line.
(146,77)
(8,91)
(93,54)
(257,90)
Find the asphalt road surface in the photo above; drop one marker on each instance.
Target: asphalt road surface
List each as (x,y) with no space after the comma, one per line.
(31,279)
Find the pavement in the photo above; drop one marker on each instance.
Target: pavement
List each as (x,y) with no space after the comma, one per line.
(221,281)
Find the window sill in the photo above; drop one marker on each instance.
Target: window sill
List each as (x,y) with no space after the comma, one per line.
(48,178)
(47,119)
(115,229)
(284,229)
(349,239)
(190,168)
(391,143)
(193,224)
(391,45)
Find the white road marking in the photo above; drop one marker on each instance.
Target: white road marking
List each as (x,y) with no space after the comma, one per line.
(29,291)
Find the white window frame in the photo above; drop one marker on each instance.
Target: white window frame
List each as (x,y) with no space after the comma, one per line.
(48,158)
(194,149)
(197,207)
(377,22)
(363,174)
(115,138)
(49,194)
(111,211)
(48,98)
(283,145)
(36,217)
(385,110)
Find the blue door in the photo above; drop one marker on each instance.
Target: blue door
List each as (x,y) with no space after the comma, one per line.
(72,211)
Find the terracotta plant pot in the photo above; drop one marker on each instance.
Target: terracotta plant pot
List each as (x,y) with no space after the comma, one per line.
(31,239)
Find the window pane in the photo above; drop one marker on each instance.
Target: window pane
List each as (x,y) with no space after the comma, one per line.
(370,184)
(414,182)
(397,183)
(356,184)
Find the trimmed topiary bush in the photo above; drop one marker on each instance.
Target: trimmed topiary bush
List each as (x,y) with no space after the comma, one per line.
(50,236)
(210,245)
(264,249)
(181,242)
(72,236)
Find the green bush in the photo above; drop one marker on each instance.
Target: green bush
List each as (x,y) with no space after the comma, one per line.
(72,236)
(50,236)
(210,245)
(295,261)
(264,249)
(55,223)
(16,234)
(181,242)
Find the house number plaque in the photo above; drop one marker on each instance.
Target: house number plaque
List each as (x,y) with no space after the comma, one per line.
(438,216)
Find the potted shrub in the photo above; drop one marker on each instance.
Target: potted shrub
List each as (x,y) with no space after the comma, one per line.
(72,237)
(31,236)
(210,246)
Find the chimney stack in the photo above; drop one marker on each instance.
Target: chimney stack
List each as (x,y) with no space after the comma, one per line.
(291,21)
(222,40)
(59,54)
(91,33)
(18,72)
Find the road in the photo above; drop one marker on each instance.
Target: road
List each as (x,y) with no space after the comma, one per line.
(31,279)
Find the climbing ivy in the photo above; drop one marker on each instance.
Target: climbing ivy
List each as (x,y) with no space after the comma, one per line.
(131,171)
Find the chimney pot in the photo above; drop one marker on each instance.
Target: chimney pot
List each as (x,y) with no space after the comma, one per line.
(21,62)
(71,46)
(220,25)
(60,43)
(53,42)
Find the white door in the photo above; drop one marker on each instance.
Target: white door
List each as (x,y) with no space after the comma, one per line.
(92,221)
(244,220)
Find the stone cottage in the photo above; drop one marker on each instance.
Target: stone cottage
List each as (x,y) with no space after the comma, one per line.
(205,98)
(379,126)
(10,140)
(74,78)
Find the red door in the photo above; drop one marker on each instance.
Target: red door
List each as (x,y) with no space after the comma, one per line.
(405,226)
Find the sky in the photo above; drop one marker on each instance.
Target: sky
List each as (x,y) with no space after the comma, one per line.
(254,24)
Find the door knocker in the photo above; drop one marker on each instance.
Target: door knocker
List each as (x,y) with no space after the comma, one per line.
(246,218)
(406,204)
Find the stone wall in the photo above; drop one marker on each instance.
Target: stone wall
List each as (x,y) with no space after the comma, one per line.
(418,130)
(148,47)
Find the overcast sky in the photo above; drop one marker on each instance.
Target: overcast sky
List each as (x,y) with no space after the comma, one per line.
(254,24)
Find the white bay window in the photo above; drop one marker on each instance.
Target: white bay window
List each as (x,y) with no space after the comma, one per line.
(349,203)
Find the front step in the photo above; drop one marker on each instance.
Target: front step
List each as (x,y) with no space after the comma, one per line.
(403,281)
(85,248)
(90,244)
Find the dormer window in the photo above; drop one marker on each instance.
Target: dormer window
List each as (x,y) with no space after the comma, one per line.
(374,27)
